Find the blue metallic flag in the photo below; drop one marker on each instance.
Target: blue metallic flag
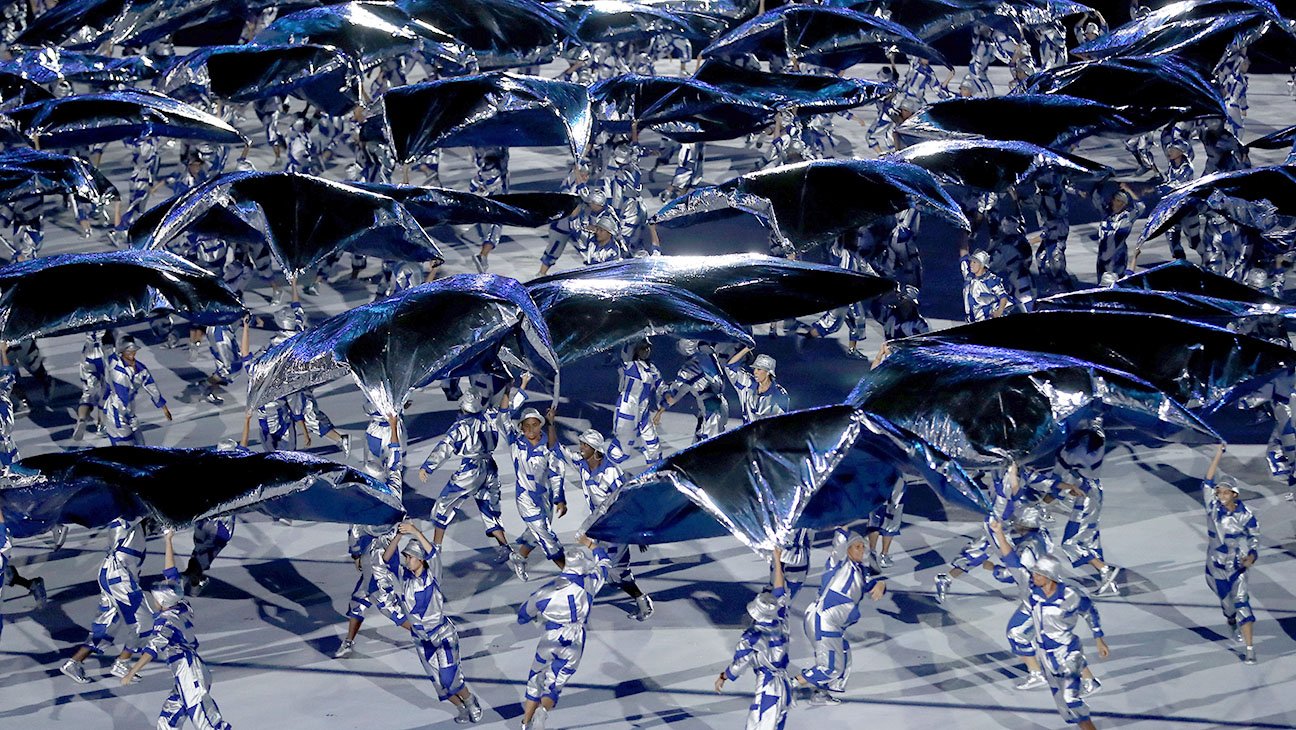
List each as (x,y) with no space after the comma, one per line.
(177,487)
(588,316)
(448,328)
(812,203)
(813,468)
(69,293)
(485,110)
(748,288)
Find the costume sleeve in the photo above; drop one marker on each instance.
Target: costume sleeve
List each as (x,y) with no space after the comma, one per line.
(148,385)
(744,655)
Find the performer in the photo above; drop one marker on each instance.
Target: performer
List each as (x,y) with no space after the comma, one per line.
(173,641)
(1056,608)
(420,573)
(562,607)
(209,538)
(540,494)
(1019,556)
(1008,497)
(701,374)
(984,295)
(126,377)
(9,574)
(763,648)
(885,521)
(601,478)
(640,399)
(1232,546)
(846,580)
(120,601)
(491,178)
(1114,231)
(758,394)
(472,437)
(92,372)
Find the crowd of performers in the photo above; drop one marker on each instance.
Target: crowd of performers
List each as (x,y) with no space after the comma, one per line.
(1044,527)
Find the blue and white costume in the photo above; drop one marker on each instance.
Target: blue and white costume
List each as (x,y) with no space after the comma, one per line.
(173,641)
(836,609)
(539,485)
(491,178)
(1113,234)
(1231,537)
(124,385)
(641,384)
(562,607)
(144,172)
(763,649)
(377,583)
(757,403)
(701,374)
(6,551)
(472,438)
(424,601)
(8,449)
(1015,571)
(120,597)
(982,294)
(1058,648)
(598,485)
(210,537)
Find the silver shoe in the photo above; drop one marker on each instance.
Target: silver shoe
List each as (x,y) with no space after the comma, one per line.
(1034,681)
(78,433)
(823,699)
(1089,686)
(1107,580)
(1249,657)
(38,592)
(885,561)
(345,649)
(121,669)
(943,581)
(645,605)
(518,564)
(75,670)
(58,536)
(345,445)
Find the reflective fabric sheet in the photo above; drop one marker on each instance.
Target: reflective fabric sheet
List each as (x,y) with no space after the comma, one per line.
(683,109)
(1280,140)
(1276,184)
(601,315)
(180,486)
(304,218)
(69,293)
(434,331)
(16,91)
(1181,277)
(29,172)
(1158,86)
(497,109)
(432,206)
(112,116)
(1262,320)
(614,21)
(813,468)
(246,73)
(993,165)
(986,405)
(365,31)
(503,33)
(834,38)
(64,19)
(811,203)
(48,64)
(1047,120)
(1197,31)
(807,93)
(749,288)
(928,19)
(1195,364)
